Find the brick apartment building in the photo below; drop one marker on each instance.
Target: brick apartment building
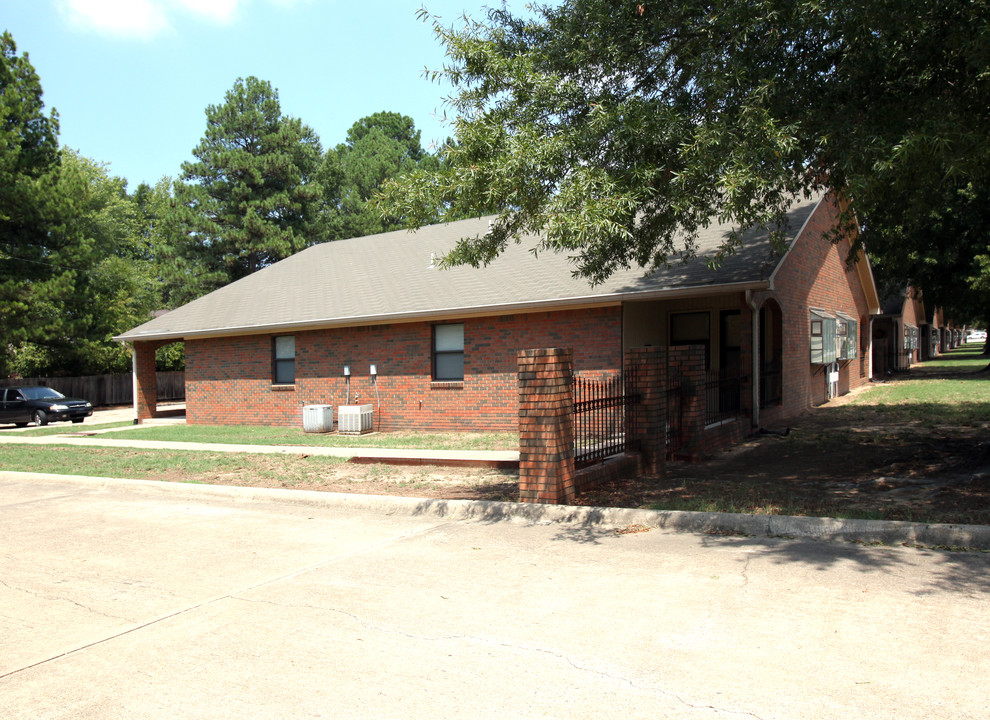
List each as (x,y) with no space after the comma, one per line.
(375,320)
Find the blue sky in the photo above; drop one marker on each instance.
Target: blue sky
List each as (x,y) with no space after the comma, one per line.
(131,79)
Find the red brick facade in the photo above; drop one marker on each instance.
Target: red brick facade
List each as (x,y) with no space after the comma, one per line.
(229,380)
(815,274)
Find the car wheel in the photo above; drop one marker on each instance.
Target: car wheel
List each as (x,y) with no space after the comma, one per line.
(40,418)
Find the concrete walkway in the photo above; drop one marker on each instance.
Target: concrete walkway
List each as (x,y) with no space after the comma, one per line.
(400,456)
(125,600)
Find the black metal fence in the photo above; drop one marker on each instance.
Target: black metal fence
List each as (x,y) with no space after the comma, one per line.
(771,391)
(673,428)
(600,419)
(104,390)
(723,397)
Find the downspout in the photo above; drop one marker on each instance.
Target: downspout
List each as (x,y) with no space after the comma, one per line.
(869,348)
(755,355)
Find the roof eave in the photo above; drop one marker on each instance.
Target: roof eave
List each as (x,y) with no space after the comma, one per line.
(582,302)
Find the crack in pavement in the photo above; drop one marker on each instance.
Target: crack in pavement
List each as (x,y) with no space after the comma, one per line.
(492,642)
(233,595)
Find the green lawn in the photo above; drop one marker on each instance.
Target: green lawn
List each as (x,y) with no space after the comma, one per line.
(940,402)
(265,435)
(192,466)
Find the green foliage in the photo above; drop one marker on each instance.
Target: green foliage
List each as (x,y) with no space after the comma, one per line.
(379,147)
(251,197)
(940,240)
(100,283)
(171,357)
(618,129)
(29,163)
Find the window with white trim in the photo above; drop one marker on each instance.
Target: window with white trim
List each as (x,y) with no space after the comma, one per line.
(448,352)
(283,360)
(910,337)
(824,350)
(847,336)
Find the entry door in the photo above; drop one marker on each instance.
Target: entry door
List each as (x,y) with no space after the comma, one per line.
(730,343)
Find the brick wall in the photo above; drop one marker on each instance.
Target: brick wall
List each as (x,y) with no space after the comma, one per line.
(815,274)
(229,380)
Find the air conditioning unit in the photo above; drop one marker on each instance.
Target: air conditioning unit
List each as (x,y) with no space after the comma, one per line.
(354,419)
(317,418)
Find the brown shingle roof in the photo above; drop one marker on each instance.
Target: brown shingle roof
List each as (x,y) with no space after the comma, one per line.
(390,278)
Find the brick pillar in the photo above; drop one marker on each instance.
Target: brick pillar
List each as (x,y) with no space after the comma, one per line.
(646,420)
(689,360)
(546,426)
(146,392)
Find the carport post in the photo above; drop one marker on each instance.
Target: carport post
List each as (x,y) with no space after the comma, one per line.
(145,380)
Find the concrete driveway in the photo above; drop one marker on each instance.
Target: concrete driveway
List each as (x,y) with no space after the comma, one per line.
(149,600)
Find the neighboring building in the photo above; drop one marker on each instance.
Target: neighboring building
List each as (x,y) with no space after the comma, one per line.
(780,334)
(900,333)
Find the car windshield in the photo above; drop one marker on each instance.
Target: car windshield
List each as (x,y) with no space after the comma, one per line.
(41,393)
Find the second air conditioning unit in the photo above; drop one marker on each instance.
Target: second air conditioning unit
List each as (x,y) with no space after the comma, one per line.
(354,419)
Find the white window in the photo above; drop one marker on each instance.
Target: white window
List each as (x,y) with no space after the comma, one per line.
(448,352)
(847,336)
(284,360)
(910,337)
(824,346)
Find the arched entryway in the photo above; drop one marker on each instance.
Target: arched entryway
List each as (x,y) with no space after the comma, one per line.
(771,342)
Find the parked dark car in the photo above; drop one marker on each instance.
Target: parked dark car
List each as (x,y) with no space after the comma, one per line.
(40,405)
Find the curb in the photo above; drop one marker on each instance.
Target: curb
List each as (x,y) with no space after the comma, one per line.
(945,536)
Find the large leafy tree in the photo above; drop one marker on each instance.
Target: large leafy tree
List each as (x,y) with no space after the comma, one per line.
(29,162)
(940,242)
(102,282)
(251,196)
(379,147)
(618,128)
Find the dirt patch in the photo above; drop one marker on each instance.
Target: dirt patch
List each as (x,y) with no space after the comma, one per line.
(817,471)
(836,460)
(306,472)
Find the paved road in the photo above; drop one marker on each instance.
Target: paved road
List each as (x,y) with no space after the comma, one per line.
(145,600)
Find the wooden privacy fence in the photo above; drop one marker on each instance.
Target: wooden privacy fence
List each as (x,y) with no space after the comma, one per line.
(104,390)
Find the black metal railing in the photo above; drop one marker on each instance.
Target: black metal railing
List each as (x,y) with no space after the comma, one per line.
(673,432)
(899,360)
(771,387)
(723,397)
(600,419)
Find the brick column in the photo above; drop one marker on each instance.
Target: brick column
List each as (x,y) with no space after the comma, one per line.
(646,420)
(689,361)
(546,426)
(146,390)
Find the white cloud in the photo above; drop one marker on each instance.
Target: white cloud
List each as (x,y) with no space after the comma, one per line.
(220,11)
(128,18)
(144,19)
